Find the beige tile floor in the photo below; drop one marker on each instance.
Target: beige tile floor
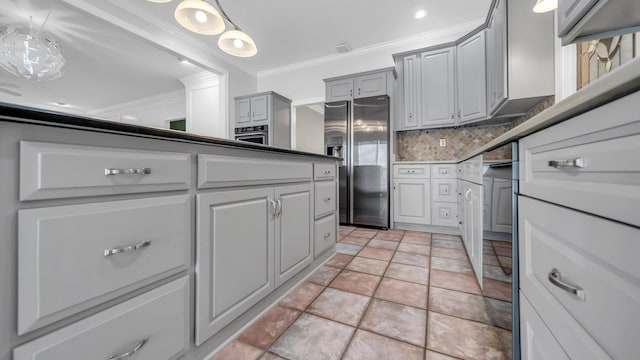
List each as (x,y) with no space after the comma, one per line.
(390,295)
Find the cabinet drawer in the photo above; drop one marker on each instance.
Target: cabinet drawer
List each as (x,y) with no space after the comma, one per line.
(537,342)
(443,171)
(412,171)
(444,213)
(325,234)
(63,265)
(444,190)
(599,151)
(225,171)
(323,171)
(160,316)
(325,198)
(49,171)
(597,255)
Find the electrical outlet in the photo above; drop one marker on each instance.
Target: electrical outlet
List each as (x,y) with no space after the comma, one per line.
(443,142)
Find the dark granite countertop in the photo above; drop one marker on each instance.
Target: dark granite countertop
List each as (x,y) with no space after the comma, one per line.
(21,114)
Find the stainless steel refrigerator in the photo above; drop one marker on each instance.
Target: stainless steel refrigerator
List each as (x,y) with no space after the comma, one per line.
(358,132)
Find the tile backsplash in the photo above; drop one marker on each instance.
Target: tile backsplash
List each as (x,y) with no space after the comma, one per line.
(424,145)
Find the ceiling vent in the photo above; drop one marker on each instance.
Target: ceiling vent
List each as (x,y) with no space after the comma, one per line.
(343,48)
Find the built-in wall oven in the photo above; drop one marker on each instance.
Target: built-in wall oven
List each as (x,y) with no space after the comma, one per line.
(254,134)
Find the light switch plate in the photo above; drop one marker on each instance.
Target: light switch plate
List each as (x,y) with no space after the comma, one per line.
(443,142)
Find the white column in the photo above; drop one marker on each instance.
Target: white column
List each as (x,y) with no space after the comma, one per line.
(203,108)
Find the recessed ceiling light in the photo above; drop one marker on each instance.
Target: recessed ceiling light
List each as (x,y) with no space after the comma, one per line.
(420,14)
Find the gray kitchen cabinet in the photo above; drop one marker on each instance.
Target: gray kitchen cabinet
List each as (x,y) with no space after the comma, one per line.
(293,230)
(248,243)
(151,326)
(471,79)
(133,242)
(234,255)
(580,20)
(412,203)
(411,92)
(373,83)
(501,217)
(243,112)
(497,57)
(437,88)
(339,90)
(268,109)
(252,110)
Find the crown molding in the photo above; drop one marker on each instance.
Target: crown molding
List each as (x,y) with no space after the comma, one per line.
(388,45)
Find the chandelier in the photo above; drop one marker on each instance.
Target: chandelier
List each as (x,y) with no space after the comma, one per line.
(30,54)
(202,18)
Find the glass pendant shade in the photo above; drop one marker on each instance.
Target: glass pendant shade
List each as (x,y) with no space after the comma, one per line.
(30,54)
(237,43)
(199,17)
(543,6)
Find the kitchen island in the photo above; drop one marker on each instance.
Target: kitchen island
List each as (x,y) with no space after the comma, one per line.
(120,239)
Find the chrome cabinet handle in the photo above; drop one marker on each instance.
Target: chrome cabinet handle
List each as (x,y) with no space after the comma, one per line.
(466,195)
(126,249)
(556,279)
(140,171)
(326,235)
(279,202)
(327,198)
(567,164)
(130,352)
(275,208)
(445,214)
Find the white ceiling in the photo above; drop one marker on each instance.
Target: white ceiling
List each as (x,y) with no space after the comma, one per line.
(109,65)
(291,31)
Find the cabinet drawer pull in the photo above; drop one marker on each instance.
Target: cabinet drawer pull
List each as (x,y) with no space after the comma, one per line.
(327,198)
(275,208)
(327,172)
(130,352)
(556,279)
(140,171)
(279,202)
(567,164)
(126,249)
(326,235)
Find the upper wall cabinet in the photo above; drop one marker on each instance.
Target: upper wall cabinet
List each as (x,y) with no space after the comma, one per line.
(580,20)
(411,92)
(472,82)
(437,86)
(357,86)
(497,57)
(520,66)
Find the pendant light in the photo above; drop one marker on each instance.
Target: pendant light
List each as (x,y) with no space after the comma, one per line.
(543,6)
(236,42)
(29,53)
(199,17)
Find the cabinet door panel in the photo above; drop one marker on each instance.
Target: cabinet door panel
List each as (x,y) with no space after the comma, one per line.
(437,88)
(339,90)
(570,12)
(412,202)
(371,85)
(472,82)
(501,217)
(293,231)
(411,88)
(243,112)
(234,262)
(260,108)
(537,341)
(497,57)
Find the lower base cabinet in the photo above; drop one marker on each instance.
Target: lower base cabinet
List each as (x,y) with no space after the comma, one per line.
(248,242)
(150,326)
(325,234)
(412,202)
(536,341)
